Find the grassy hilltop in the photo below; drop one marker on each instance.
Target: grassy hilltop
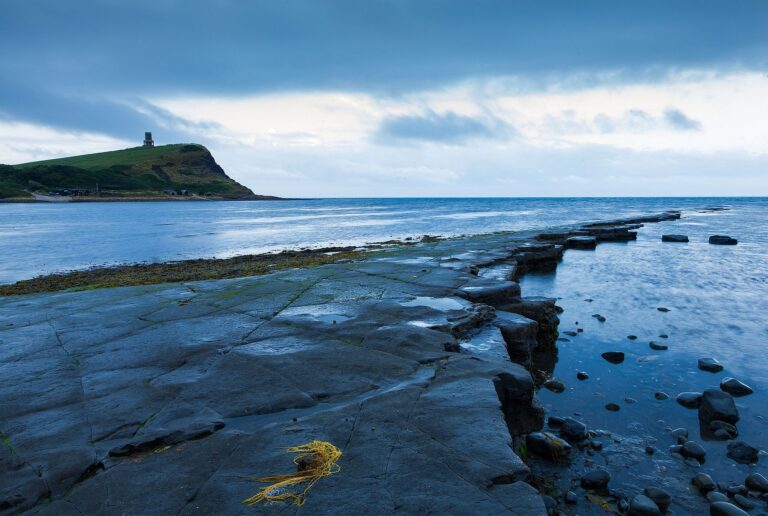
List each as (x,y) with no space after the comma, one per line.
(141,172)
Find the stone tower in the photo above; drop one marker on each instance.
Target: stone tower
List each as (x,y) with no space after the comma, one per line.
(148,141)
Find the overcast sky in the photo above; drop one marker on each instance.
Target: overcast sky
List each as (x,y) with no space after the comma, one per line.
(403,97)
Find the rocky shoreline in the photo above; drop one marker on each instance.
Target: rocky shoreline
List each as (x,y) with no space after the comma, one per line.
(171,398)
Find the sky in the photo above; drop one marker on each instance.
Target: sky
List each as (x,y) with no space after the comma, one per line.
(403,98)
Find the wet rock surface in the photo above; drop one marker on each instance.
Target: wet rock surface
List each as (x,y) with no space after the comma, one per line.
(722,240)
(674,238)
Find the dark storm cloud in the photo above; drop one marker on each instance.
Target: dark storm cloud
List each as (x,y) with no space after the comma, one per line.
(443,128)
(71,53)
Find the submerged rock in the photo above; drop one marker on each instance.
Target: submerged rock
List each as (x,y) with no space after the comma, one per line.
(612,407)
(734,387)
(658,347)
(742,452)
(710,365)
(663,309)
(689,399)
(596,479)
(581,375)
(642,505)
(599,317)
(632,337)
(674,238)
(680,435)
(547,446)
(661,396)
(614,357)
(717,405)
(722,240)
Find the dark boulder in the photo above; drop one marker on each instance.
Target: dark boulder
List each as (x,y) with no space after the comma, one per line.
(554,385)
(660,497)
(581,375)
(757,482)
(657,346)
(734,387)
(642,505)
(612,407)
(674,238)
(703,483)
(693,450)
(680,435)
(573,430)
(722,240)
(596,479)
(742,452)
(689,399)
(614,357)
(717,405)
(710,365)
(547,446)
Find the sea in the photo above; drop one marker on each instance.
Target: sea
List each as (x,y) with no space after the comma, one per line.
(38,239)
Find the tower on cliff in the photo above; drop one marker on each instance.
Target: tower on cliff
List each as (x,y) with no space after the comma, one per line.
(148,141)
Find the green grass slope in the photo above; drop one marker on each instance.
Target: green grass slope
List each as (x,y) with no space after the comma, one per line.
(145,172)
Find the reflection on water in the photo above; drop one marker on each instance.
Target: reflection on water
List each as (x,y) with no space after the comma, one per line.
(718,298)
(43,238)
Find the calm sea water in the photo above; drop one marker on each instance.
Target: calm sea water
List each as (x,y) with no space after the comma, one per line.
(718,301)
(43,238)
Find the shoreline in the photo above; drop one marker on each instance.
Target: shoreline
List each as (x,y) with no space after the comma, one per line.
(368,354)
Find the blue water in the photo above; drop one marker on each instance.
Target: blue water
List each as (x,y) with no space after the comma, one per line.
(43,238)
(718,301)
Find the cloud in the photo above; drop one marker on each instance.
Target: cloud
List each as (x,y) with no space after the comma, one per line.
(678,120)
(448,128)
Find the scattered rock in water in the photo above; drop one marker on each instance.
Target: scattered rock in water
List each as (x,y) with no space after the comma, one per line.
(641,505)
(743,502)
(596,445)
(571,333)
(703,483)
(674,238)
(725,509)
(657,346)
(710,365)
(630,401)
(757,482)
(689,400)
(599,317)
(661,396)
(579,330)
(660,497)
(663,336)
(547,446)
(716,496)
(563,339)
(554,385)
(571,498)
(596,479)
(612,407)
(722,240)
(723,431)
(632,337)
(680,435)
(663,309)
(614,357)
(742,452)
(650,450)
(717,405)
(734,387)
(573,430)
(693,450)
(581,375)
(736,489)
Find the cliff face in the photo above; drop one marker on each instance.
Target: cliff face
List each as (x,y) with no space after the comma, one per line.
(186,170)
